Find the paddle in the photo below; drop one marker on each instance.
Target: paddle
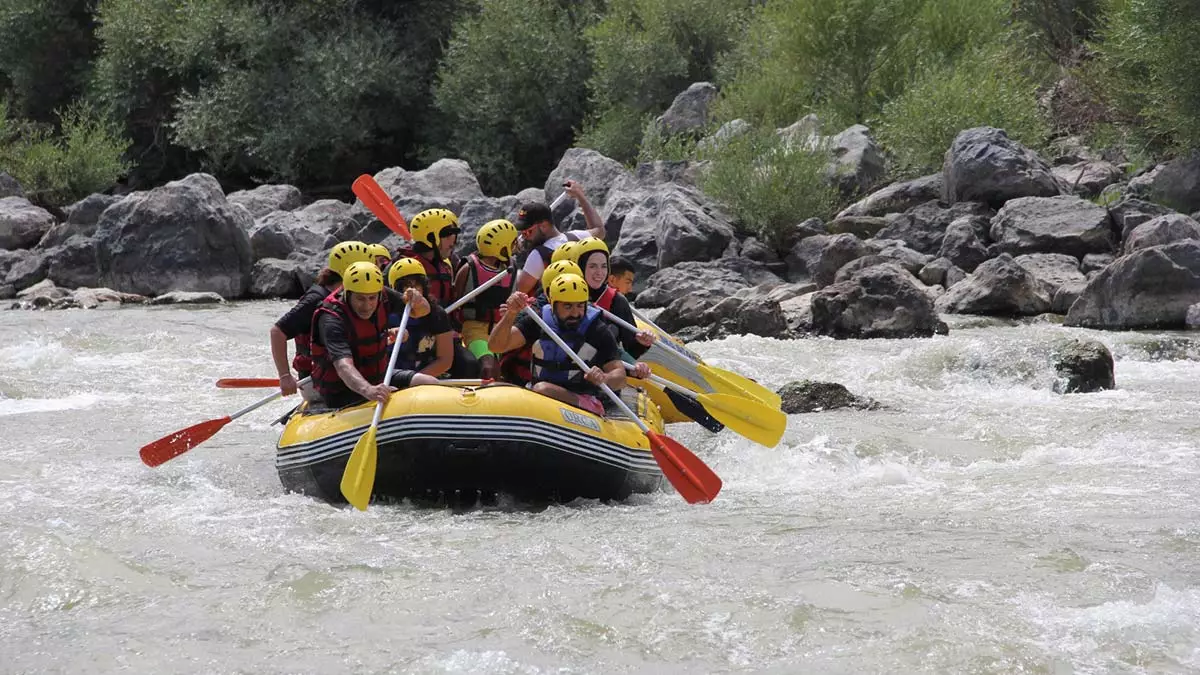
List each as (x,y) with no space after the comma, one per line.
(246,382)
(718,378)
(174,445)
(378,201)
(358,481)
(691,477)
(746,417)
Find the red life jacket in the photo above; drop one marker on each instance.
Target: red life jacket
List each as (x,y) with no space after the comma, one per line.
(486,306)
(605,300)
(516,366)
(368,346)
(302,361)
(440,275)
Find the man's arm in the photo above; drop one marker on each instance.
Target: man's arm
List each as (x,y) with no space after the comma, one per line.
(595,224)
(526,282)
(505,335)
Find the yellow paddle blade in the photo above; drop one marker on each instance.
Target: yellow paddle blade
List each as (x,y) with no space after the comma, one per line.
(729,382)
(358,482)
(746,417)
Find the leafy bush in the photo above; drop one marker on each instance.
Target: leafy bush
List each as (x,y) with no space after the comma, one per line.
(46,47)
(616,133)
(767,185)
(58,170)
(1059,28)
(986,87)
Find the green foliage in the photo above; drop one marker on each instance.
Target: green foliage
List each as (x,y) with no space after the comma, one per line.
(1059,28)
(767,185)
(1147,67)
(511,91)
(46,48)
(616,133)
(846,58)
(986,87)
(657,145)
(60,169)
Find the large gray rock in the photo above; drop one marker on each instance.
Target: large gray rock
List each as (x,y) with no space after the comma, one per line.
(727,131)
(1083,366)
(308,231)
(803,134)
(1130,212)
(878,302)
(1149,288)
(267,198)
(1052,271)
(689,112)
(863,227)
(1088,179)
(985,165)
(1094,262)
(684,172)
(597,173)
(820,257)
(962,245)
(21,223)
(27,269)
(82,217)
(670,225)
(808,396)
(73,264)
(1162,230)
(998,287)
(274,278)
(708,280)
(695,319)
(897,197)
(1175,184)
(9,187)
(858,163)
(446,178)
(181,236)
(897,252)
(1063,224)
(923,227)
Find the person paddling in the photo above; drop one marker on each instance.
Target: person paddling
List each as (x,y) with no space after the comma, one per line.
(296,324)
(350,340)
(515,365)
(495,242)
(429,348)
(538,232)
(582,327)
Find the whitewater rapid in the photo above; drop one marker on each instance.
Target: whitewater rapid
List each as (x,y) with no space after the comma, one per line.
(976,523)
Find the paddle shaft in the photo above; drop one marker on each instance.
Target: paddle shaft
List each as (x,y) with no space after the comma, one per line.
(255,406)
(680,349)
(478,289)
(387,378)
(667,384)
(562,197)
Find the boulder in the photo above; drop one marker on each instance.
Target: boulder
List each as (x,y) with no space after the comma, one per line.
(728,130)
(708,280)
(820,257)
(699,319)
(93,298)
(790,236)
(7,292)
(264,199)
(27,269)
(531,194)
(275,278)
(597,173)
(1149,288)
(689,112)
(961,244)
(857,164)
(1175,184)
(897,252)
(807,396)
(1088,178)
(879,302)
(803,134)
(984,164)
(998,287)
(863,227)
(450,179)
(897,197)
(857,265)
(1191,320)
(279,234)
(670,225)
(186,298)
(1052,270)
(476,213)
(922,228)
(934,272)
(753,249)
(954,275)
(82,217)
(181,236)
(1083,366)
(1094,262)
(683,172)
(1162,230)
(1066,295)
(9,187)
(73,264)
(1130,212)
(44,288)
(1063,224)
(21,223)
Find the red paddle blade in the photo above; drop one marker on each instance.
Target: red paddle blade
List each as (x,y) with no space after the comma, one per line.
(378,201)
(174,445)
(247,382)
(691,477)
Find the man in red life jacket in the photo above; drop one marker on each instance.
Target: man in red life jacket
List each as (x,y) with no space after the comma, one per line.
(350,340)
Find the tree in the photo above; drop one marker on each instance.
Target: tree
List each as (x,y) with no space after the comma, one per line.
(46,51)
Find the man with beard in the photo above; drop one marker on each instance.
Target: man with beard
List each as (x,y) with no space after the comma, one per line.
(582,327)
(539,234)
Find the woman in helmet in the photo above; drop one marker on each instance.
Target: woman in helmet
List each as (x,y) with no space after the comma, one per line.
(431,347)
(296,324)
(582,327)
(592,257)
(350,340)
(494,241)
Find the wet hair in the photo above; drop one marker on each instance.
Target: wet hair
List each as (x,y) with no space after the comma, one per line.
(328,278)
(619,266)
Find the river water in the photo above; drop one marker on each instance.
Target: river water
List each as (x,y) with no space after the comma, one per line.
(979,523)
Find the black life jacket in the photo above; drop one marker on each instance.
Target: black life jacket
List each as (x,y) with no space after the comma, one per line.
(486,306)
(368,346)
(302,361)
(550,362)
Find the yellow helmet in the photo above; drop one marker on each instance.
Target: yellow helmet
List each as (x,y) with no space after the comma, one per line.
(404,267)
(568,288)
(555,269)
(363,277)
(427,226)
(496,238)
(565,252)
(346,254)
(586,246)
(378,251)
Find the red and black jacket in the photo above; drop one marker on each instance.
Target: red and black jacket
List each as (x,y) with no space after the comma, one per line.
(302,361)
(440,275)
(368,345)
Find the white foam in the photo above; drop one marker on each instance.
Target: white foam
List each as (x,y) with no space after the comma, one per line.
(25,406)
